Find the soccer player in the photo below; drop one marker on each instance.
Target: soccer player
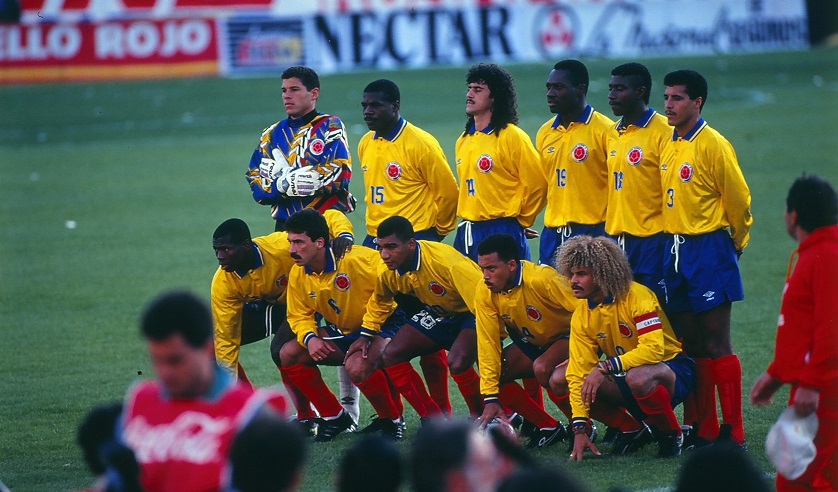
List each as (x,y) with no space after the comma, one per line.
(406,173)
(806,355)
(533,305)
(573,147)
(181,426)
(302,161)
(248,294)
(323,287)
(501,183)
(707,217)
(444,281)
(644,367)
(633,216)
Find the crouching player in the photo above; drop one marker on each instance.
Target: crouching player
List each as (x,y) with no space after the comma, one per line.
(322,286)
(533,304)
(644,371)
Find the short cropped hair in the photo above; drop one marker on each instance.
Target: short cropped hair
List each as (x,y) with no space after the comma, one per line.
(235,229)
(503,244)
(397,225)
(96,431)
(437,449)
(373,456)
(577,70)
(307,76)
(502,91)
(178,313)
(310,222)
(814,200)
(387,88)
(694,82)
(609,266)
(639,74)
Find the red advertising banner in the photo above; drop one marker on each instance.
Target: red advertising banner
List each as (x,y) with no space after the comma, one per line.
(52,52)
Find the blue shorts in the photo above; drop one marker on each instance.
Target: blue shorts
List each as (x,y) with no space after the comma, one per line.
(553,237)
(701,272)
(684,369)
(469,235)
(442,330)
(530,350)
(644,255)
(426,235)
(388,330)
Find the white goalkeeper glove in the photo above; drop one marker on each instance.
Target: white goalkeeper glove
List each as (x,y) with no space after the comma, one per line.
(271,169)
(299,182)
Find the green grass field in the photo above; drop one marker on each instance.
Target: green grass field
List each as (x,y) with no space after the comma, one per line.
(147,170)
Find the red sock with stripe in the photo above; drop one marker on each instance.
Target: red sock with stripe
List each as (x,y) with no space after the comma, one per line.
(727,372)
(410,385)
(309,380)
(298,398)
(534,390)
(469,384)
(435,369)
(377,390)
(705,399)
(657,406)
(517,398)
(562,403)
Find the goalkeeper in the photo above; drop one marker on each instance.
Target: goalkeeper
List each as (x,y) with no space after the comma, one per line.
(302,161)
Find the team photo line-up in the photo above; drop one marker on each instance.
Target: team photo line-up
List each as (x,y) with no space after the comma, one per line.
(624,315)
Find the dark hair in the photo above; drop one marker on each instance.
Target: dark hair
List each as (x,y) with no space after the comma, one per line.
(437,449)
(502,91)
(372,456)
(267,453)
(639,75)
(814,200)
(541,479)
(694,82)
(235,229)
(310,222)
(306,75)
(503,244)
(720,469)
(397,225)
(577,70)
(387,88)
(178,313)
(95,432)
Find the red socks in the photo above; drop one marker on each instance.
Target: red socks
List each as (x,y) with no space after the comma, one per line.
(513,395)
(658,408)
(614,417)
(298,398)
(469,385)
(727,373)
(562,403)
(309,380)
(410,385)
(242,376)
(435,369)
(377,390)
(534,390)
(705,399)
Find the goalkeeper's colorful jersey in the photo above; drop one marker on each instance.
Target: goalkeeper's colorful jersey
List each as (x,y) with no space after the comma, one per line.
(267,281)
(634,188)
(406,173)
(500,176)
(339,294)
(631,333)
(439,276)
(703,187)
(536,310)
(317,140)
(574,162)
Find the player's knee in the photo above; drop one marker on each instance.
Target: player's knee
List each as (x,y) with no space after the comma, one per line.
(558,382)
(542,373)
(641,385)
(459,364)
(289,354)
(357,370)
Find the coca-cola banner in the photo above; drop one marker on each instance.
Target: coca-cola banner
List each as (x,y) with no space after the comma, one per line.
(47,52)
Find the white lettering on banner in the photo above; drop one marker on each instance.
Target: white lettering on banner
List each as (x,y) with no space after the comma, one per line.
(144,39)
(192,437)
(61,41)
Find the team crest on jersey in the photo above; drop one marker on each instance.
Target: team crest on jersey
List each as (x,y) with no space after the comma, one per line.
(342,282)
(634,156)
(282,281)
(625,330)
(686,172)
(317,146)
(579,152)
(394,171)
(485,163)
(533,313)
(436,289)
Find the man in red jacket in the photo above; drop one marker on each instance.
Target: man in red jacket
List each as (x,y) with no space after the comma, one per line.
(806,353)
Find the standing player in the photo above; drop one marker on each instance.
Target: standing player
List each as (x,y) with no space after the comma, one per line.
(633,216)
(573,147)
(248,294)
(501,183)
(707,213)
(644,367)
(406,173)
(806,355)
(533,305)
(444,282)
(335,290)
(302,161)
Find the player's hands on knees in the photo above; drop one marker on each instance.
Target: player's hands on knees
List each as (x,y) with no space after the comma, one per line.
(491,411)
(319,349)
(362,345)
(591,386)
(763,391)
(581,442)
